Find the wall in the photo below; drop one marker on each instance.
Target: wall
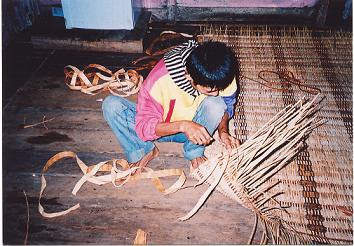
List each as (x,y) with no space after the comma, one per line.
(230,3)
(17,16)
(182,10)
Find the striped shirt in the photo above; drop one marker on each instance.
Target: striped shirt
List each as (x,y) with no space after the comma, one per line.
(175,61)
(167,96)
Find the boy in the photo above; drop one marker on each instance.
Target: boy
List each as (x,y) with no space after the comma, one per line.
(189,94)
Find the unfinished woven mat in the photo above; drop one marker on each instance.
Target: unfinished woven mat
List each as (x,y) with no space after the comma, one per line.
(310,199)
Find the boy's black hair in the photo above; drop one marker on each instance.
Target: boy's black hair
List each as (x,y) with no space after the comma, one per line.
(212,64)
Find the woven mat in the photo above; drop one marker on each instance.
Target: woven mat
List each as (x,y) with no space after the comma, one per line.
(318,185)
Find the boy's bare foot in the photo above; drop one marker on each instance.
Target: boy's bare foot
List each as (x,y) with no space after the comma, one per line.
(145,160)
(197,161)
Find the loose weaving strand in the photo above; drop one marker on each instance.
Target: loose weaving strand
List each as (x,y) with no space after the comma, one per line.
(241,172)
(122,176)
(121,83)
(140,238)
(287,78)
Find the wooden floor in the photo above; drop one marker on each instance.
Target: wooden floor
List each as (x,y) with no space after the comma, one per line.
(107,215)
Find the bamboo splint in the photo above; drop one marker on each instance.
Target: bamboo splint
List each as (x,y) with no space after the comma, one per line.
(140,238)
(121,83)
(239,174)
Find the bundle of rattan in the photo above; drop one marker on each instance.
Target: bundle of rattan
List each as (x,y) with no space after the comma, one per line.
(241,173)
(120,83)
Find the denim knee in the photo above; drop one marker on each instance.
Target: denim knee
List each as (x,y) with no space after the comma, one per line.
(112,104)
(214,107)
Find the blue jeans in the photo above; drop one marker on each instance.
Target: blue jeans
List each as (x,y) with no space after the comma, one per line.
(120,116)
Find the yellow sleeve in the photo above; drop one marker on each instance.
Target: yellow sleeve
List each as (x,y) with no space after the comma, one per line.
(230,90)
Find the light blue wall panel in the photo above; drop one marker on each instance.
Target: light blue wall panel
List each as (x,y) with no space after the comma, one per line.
(98,14)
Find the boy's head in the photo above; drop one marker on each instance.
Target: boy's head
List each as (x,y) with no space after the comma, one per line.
(212,66)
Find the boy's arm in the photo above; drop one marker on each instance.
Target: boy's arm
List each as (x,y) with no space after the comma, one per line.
(194,131)
(230,98)
(149,114)
(225,137)
(149,124)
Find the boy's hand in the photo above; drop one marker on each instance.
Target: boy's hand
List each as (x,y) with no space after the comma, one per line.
(229,141)
(196,133)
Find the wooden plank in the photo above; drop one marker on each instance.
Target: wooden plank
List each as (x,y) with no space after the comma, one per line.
(47,89)
(68,44)
(111,216)
(83,58)
(78,120)
(97,223)
(20,61)
(251,15)
(117,40)
(29,162)
(77,140)
(73,127)
(50,91)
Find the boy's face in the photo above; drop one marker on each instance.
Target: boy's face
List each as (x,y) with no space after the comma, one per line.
(208,91)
